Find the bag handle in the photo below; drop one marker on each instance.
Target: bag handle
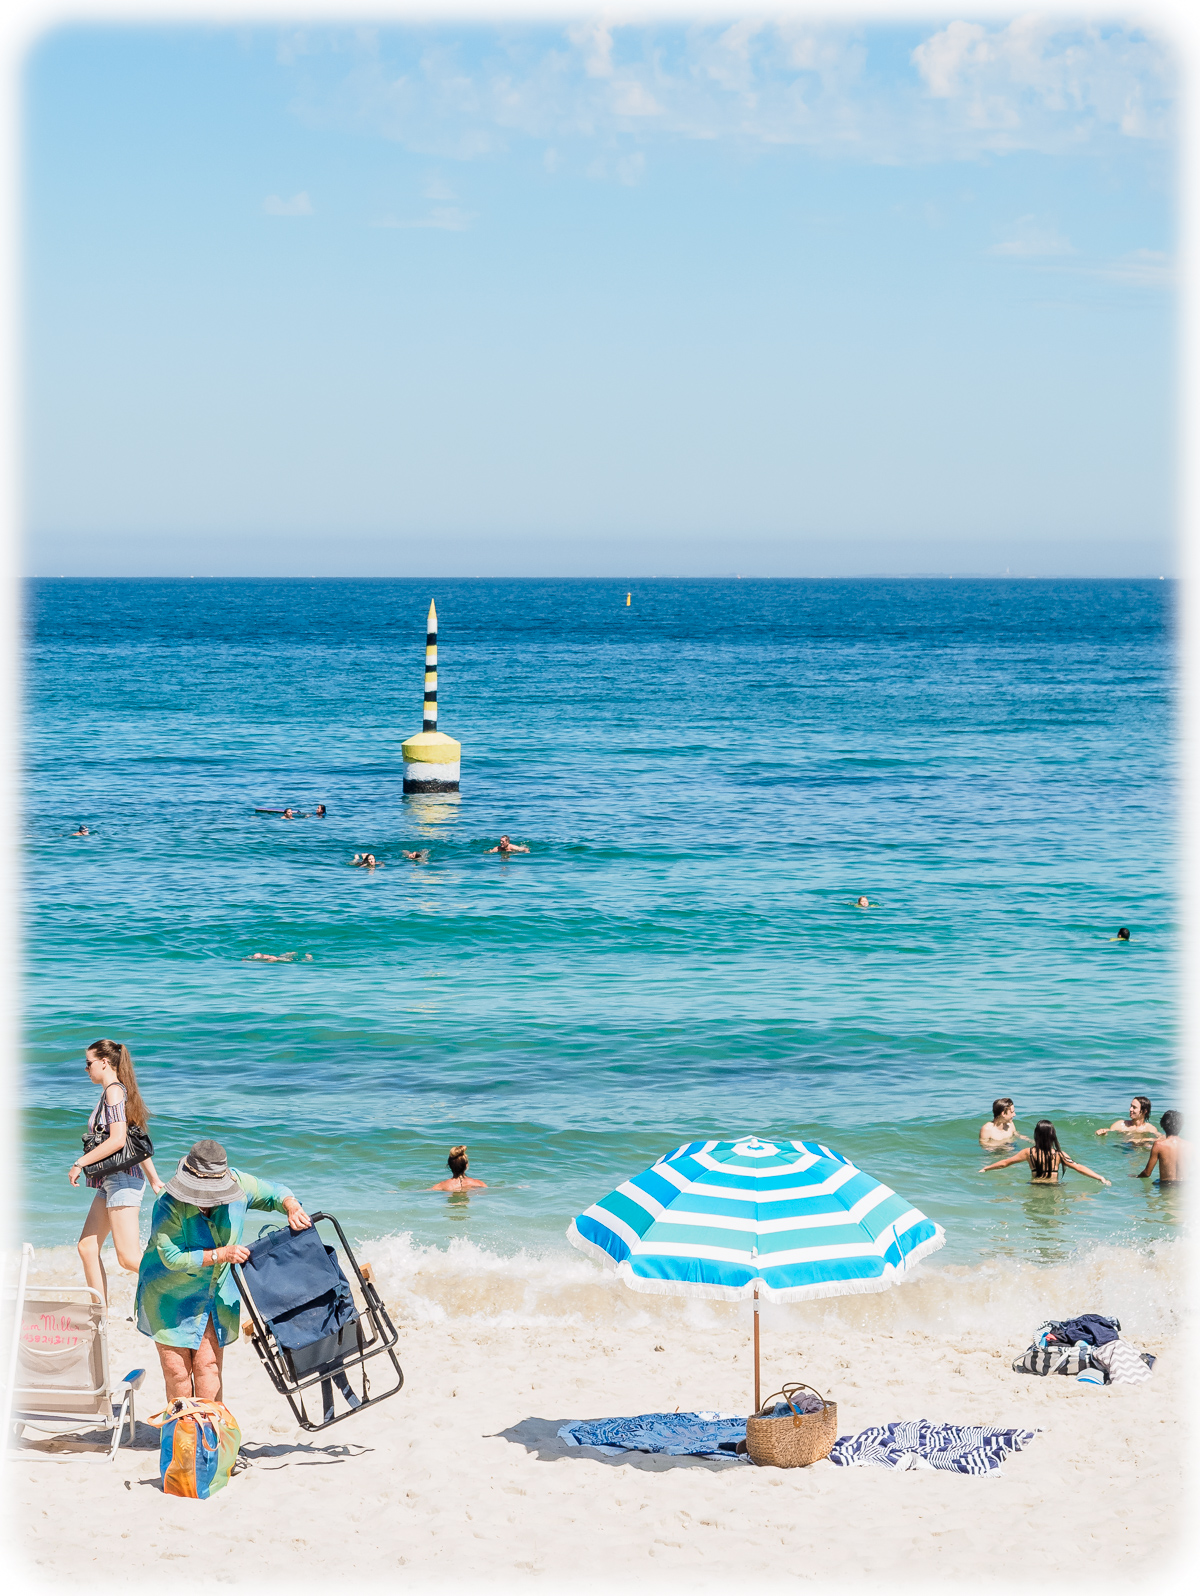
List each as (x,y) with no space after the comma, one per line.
(791,1386)
(186,1407)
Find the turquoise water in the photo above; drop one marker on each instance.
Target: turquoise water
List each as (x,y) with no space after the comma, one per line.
(707,779)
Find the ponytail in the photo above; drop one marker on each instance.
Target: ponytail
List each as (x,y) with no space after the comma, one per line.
(118,1055)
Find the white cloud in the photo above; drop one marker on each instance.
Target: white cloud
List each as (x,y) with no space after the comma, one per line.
(594,41)
(631,98)
(1012,81)
(1142,268)
(1030,239)
(447,218)
(968,90)
(298,205)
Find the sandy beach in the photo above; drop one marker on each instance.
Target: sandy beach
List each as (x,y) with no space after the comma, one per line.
(462,1474)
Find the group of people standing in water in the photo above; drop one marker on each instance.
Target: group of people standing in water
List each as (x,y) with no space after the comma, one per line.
(1048,1162)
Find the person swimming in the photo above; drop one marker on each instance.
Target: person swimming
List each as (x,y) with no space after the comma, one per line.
(82,832)
(272,958)
(1170,1152)
(1001,1129)
(421,856)
(366,861)
(1045,1158)
(505,847)
(320,811)
(1138,1123)
(459,1179)
(1122,935)
(865,903)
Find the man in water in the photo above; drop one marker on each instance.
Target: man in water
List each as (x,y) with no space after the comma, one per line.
(1170,1152)
(1138,1123)
(1001,1129)
(82,832)
(421,856)
(505,847)
(1122,935)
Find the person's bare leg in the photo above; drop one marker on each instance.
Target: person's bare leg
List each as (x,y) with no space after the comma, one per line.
(208,1366)
(123,1222)
(176,1370)
(91,1239)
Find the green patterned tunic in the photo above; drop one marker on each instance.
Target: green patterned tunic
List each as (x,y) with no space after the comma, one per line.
(176,1292)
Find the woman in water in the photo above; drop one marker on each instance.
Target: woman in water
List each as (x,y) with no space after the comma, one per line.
(459,1179)
(1045,1158)
(117,1202)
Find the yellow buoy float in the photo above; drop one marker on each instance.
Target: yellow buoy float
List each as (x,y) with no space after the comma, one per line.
(431,759)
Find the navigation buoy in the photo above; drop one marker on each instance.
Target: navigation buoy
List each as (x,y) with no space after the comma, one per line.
(431,759)
(628,600)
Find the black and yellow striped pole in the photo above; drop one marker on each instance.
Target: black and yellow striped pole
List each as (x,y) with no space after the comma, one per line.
(431,759)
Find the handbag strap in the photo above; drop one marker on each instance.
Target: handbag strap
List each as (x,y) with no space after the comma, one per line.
(790,1387)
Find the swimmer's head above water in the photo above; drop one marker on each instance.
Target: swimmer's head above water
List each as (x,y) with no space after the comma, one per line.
(1122,935)
(863,903)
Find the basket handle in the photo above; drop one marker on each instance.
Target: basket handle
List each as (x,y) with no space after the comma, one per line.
(789,1387)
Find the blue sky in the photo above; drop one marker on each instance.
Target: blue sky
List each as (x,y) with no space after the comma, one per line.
(763,298)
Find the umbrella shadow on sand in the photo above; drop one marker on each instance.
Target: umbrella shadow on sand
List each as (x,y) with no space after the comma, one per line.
(541,1440)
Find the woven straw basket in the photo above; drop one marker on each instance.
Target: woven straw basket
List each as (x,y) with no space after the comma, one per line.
(795,1439)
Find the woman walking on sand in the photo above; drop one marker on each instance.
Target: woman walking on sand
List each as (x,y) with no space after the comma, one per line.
(117,1203)
(1045,1158)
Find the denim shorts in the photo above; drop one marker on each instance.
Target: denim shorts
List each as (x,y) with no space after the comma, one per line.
(124,1189)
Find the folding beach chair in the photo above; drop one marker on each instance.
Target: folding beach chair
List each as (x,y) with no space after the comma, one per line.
(310,1326)
(59,1368)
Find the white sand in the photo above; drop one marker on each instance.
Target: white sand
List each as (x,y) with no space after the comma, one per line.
(460,1478)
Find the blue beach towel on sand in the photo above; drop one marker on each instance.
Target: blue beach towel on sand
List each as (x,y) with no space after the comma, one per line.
(677,1434)
(917,1444)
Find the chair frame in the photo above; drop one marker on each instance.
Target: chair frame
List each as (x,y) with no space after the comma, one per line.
(381,1343)
(118,1394)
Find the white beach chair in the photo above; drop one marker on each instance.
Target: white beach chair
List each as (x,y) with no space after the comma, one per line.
(58,1369)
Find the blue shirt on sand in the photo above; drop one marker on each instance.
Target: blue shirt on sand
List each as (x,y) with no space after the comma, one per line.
(176,1293)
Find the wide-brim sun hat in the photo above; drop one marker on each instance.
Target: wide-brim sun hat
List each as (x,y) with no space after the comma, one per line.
(203,1177)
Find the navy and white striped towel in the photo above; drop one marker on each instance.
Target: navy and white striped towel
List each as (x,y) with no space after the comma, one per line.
(918,1444)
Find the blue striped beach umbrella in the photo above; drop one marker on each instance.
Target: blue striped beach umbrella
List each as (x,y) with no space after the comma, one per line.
(787,1220)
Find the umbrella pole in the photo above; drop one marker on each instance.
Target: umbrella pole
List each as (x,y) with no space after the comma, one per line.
(757,1402)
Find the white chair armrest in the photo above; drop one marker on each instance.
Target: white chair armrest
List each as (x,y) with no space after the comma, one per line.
(132,1381)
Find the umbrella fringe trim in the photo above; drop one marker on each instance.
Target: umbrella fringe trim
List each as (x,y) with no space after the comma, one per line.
(715,1293)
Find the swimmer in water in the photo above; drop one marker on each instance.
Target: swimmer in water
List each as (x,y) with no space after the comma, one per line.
(505,847)
(273,958)
(1122,935)
(865,903)
(82,832)
(420,857)
(1045,1158)
(288,814)
(1138,1124)
(1170,1152)
(459,1179)
(1001,1130)
(320,811)
(366,861)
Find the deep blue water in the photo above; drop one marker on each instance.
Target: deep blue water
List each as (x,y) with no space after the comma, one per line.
(707,779)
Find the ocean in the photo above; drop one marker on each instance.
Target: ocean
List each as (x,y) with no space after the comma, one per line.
(707,778)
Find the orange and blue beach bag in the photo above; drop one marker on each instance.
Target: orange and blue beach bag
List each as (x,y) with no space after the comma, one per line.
(200,1443)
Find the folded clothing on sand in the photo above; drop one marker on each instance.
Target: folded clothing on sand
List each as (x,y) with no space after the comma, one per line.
(1093,1328)
(1122,1363)
(918,1444)
(678,1434)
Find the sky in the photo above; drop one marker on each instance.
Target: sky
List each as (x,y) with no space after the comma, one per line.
(761,298)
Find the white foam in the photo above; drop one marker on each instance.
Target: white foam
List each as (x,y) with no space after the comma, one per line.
(465,1283)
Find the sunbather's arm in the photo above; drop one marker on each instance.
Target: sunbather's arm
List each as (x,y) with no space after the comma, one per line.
(1150,1163)
(276,1199)
(1084,1170)
(166,1243)
(1003,1163)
